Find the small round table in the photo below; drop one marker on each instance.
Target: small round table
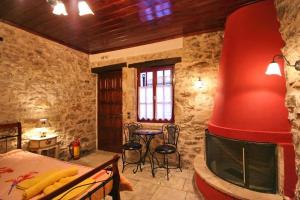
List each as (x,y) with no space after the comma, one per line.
(147,135)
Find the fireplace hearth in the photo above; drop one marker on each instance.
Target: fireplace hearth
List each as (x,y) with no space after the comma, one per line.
(250,165)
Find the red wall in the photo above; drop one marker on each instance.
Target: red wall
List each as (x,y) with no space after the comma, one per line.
(247,99)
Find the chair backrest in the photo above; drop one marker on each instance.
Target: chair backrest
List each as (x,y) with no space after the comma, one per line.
(129,132)
(172,134)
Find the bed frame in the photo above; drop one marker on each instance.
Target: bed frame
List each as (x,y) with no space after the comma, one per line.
(111,165)
(14,126)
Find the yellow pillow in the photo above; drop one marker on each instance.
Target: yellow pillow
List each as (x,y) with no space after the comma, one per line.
(31,182)
(58,184)
(40,186)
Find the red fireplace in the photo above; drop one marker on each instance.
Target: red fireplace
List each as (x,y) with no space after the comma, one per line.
(250,108)
(251,165)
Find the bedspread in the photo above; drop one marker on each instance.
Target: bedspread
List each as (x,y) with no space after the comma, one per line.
(20,165)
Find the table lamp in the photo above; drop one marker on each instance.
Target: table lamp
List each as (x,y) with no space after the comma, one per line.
(42,126)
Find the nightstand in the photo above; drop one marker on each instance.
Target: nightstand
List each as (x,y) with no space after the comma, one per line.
(47,146)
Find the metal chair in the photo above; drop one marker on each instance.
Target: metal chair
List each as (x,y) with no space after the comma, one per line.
(169,146)
(132,143)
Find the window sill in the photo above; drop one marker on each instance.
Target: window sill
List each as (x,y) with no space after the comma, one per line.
(155,121)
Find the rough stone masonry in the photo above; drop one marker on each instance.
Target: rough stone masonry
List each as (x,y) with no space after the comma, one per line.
(42,79)
(289,18)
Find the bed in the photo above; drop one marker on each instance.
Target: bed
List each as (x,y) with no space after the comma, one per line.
(17,164)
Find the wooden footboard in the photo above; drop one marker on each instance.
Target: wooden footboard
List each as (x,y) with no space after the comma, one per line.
(18,129)
(111,165)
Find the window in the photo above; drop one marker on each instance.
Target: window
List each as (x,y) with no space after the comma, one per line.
(155,94)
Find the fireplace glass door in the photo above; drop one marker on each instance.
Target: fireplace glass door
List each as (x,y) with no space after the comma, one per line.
(247,164)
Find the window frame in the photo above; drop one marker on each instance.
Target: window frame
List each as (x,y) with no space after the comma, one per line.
(154,70)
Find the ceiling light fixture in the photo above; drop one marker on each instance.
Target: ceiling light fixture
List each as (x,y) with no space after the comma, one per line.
(274,69)
(84,8)
(58,7)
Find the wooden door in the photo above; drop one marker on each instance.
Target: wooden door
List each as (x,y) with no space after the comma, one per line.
(110,111)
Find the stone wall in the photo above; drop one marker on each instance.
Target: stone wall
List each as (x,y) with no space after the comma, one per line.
(289,18)
(200,58)
(42,79)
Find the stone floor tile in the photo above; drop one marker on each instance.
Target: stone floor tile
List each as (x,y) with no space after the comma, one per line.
(133,181)
(173,182)
(186,173)
(143,190)
(189,186)
(193,196)
(168,193)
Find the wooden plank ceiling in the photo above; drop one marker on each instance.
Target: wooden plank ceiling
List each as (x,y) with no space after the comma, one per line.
(118,23)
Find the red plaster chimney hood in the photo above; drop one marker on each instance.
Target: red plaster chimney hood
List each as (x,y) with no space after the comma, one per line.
(250,105)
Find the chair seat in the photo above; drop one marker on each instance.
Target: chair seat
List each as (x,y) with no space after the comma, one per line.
(132,146)
(165,149)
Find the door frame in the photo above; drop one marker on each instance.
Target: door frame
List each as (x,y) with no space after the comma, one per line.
(98,71)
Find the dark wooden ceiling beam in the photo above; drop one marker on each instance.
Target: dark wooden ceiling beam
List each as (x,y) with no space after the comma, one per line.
(62,42)
(107,24)
(209,12)
(138,41)
(116,24)
(8,6)
(173,34)
(108,4)
(141,41)
(139,28)
(175,9)
(24,10)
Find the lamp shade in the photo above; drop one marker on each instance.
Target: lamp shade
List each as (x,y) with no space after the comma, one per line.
(84,8)
(59,9)
(273,69)
(43,123)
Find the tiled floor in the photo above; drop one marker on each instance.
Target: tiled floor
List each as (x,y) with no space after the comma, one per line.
(179,187)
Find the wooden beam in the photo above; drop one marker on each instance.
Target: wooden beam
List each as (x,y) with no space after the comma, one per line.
(114,67)
(154,63)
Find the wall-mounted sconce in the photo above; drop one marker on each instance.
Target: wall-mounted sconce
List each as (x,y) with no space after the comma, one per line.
(42,125)
(274,69)
(199,83)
